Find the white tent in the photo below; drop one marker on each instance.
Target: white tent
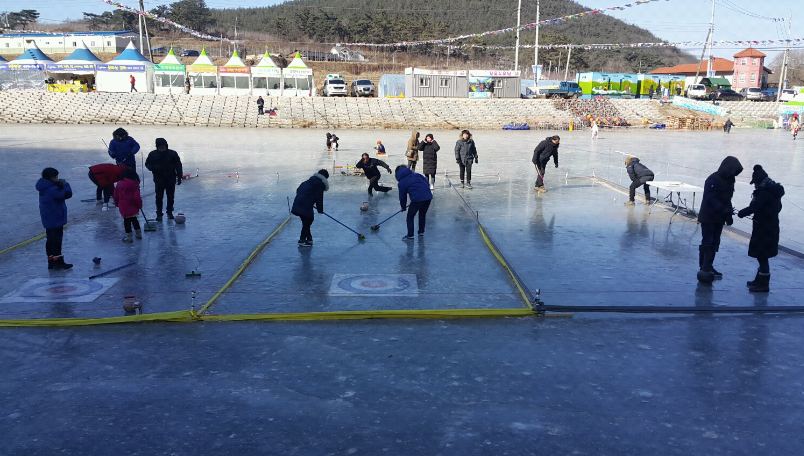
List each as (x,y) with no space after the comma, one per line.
(266,77)
(77,71)
(169,74)
(298,79)
(115,75)
(204,75)
(235,79)
(26,73)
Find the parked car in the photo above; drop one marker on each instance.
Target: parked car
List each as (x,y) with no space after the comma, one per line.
(697,91)
(787,95)
(189,53)
(334,85)
(725,95)
(565,90)
(362,88)
(751,93)
(768,95)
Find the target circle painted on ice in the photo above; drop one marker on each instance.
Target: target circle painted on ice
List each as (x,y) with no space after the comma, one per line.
(374,284)
(59,290)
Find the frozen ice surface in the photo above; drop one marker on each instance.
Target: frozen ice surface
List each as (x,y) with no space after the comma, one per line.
(575,243)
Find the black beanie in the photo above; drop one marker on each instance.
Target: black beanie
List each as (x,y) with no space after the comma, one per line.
(759,175)
(324,173)
(49,173)
(161,142)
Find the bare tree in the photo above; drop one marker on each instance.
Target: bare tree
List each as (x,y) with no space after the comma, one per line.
(795,67)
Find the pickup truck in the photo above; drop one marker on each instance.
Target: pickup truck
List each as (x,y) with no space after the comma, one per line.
(564,90)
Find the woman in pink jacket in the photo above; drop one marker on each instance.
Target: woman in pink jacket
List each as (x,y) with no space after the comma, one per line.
(128,201)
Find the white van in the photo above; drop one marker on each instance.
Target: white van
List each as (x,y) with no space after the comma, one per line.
(697,91)
(334,85)
(787,95)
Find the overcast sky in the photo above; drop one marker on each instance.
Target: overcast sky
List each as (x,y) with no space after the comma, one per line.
(673,20)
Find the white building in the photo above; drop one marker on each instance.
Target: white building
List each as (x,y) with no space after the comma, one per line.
(65,43)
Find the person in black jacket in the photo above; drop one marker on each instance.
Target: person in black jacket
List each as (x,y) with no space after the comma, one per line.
(716,210)
(369,166)
(260,106)
(310,194)
(465,155)
(429,156)
(766,203)
(541,156)
(640,175)
(165,164)
(727,126)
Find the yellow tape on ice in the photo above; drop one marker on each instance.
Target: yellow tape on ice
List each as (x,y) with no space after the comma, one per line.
(181,315)
(243,266)
(33,239)
(505,265)
(377,314)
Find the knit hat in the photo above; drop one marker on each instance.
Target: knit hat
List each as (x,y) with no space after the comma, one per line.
(759,175)
(324,173)
(161,142)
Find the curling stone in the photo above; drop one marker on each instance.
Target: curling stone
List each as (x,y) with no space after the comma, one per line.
(706,276)
(179,218)
(364,207)
(131,304)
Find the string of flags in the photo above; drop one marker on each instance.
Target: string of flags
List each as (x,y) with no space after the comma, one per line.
(154,17)
(753,43)
(507,30)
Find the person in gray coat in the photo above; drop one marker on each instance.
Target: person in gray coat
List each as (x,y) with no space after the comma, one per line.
(465,155)
(640,175)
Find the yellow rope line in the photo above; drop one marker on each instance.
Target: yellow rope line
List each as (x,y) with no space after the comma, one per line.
(23,243)
(378,314)
(505,265)
(181,315)
(243,266)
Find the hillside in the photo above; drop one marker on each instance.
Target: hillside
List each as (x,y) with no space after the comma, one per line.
(378,21)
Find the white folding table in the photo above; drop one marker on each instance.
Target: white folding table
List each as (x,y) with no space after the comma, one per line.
(670,187)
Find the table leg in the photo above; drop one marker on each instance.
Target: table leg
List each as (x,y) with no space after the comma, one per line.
(676,206)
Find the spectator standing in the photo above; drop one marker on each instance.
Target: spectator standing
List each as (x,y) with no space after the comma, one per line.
(429,153)
(165,165)
(53,192)
(413,150)
(465,156)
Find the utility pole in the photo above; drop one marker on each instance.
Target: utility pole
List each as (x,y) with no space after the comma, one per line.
(536,46)
(235,44)
(147,38)
(566,69)
(516,52)
(711,70)
(709,37)
(139,23)
(783,75)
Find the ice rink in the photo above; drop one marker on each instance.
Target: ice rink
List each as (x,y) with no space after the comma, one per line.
(590,384)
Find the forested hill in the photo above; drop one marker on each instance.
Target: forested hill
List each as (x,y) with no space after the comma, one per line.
(383,21)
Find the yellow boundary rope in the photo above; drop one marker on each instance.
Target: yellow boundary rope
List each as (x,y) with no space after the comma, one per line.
(23,243)
(505,265)
(243,266)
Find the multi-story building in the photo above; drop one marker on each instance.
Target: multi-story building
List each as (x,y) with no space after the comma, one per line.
(65,43)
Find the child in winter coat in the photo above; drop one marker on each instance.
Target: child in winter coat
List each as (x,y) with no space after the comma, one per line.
(53,211)
(128,200)
(123,148)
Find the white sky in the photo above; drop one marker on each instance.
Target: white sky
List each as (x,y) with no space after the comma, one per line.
(673,20)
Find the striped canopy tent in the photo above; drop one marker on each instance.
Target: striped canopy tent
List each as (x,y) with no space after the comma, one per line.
(115,75)
(169,74)
(298,79)
(266,77)
(235,78)
(26,73)
(203,74)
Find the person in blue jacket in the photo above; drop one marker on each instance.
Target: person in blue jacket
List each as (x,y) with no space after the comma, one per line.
(53,211)
(310,194)
(123,148)
(418,188)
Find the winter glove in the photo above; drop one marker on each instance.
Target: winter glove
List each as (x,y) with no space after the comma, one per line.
(730,220)
(742,213)
(404,209)
(178,180)
(458,162)
(389,170)
(475,160)
(60,184)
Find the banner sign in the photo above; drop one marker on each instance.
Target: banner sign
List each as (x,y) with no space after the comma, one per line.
(121,68)
(69,67)
(21,66)
(495,73)
(169,68)
(460,73)
(266,71)
(297,72)
(233,70)
(203,69)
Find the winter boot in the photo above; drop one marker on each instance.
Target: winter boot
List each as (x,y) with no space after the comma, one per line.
(105,207)
(705,258)
(128,238)
(138,234)
(50,262)
(462,184)
(761,284)
(469,185)
(630,203)
(752,283)
(718,274)
(170,215)
(60,264)
(158,217)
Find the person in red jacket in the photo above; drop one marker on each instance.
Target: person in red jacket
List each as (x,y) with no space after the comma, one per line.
(105,175)
(128,200)
(133,82)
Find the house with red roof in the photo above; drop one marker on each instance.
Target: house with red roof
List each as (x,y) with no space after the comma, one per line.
(746,70)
